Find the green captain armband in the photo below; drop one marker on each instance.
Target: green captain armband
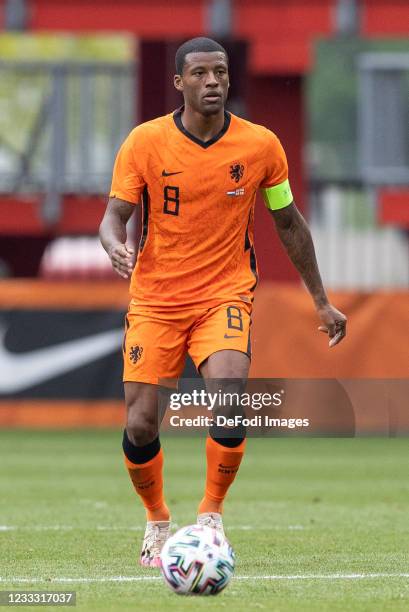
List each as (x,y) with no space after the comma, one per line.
(278,196)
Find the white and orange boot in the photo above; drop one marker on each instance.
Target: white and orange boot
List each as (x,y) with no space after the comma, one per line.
(156,534)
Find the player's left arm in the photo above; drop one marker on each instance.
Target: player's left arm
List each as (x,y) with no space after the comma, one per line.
(296,238)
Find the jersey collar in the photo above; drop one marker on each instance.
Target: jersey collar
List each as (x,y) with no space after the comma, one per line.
(177,118)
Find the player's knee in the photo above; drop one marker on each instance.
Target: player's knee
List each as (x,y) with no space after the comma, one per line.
(141,429)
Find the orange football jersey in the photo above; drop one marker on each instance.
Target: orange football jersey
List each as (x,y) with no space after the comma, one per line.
(198,208)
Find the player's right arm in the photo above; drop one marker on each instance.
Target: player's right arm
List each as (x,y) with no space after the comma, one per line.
(127,186)
(112,233)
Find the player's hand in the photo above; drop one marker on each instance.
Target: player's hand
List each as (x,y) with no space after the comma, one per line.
(122,259)
(334,324)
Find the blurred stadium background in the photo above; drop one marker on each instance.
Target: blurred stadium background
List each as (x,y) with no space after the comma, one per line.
(330,77)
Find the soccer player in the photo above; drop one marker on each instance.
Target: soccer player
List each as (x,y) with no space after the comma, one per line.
(197,172)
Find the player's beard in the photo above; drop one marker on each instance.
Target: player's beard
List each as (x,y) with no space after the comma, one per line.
(209,112)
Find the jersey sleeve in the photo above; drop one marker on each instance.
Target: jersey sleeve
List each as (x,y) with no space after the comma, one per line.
(127,179)
(275,187)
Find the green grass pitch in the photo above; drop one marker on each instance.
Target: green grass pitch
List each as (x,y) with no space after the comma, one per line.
(317,524)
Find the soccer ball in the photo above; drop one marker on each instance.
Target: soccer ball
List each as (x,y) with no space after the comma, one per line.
(197,560)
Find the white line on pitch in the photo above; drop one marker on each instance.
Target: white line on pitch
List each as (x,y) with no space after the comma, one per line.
(136,528)
(325,576)
(257,577)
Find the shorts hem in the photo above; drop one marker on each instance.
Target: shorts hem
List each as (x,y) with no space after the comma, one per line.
(154,381)
(142,379)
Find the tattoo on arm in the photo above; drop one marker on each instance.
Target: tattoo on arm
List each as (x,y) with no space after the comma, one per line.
(296,238)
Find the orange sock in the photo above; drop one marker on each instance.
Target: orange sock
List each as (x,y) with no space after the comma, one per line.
(222,466)
(147,480)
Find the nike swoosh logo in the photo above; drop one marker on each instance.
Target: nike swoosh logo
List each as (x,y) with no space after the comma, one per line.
(19,371)
(164,173)
(226,336)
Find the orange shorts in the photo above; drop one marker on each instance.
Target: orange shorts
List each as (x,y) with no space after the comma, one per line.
(156,342)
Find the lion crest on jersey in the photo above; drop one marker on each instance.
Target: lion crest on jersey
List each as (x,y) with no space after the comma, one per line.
(135,353)
(236,171)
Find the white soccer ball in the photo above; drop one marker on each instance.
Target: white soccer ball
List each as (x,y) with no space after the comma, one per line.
(197,560)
